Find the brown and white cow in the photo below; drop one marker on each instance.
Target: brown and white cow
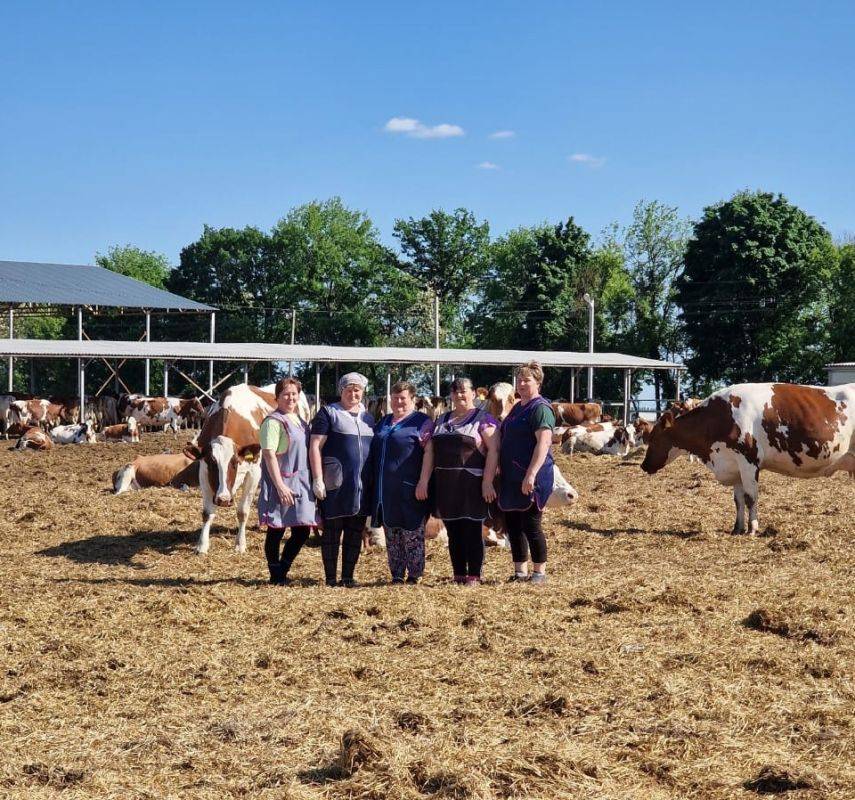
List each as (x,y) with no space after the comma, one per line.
(127,432)
(36,411)
(600,438)
(501,399)
(165,469)
(34,438)
(229,450)
(643,428)
(570,414)
(79,433)
(799,431)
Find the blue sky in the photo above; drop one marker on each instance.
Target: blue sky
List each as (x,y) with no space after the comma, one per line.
(140,122)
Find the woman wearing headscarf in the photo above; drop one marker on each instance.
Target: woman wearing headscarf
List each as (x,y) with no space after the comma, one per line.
(338,454)
(400,473)
(526,472)
(285,499)
(465,453)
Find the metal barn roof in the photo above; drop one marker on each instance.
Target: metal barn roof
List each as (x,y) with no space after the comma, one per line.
(83,285)
(254,351)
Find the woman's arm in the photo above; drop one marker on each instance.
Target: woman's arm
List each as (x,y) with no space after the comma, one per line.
(316,443)
(427,469)
(544,441)
(491,438)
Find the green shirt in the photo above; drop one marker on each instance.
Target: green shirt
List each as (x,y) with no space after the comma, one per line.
(274,436)
(542,417)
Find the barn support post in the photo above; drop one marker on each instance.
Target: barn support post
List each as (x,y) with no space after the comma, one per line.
(627,390)
(677,379)
(293,334)
(211,362)
(11,380)
(166,379)
(147,361)
(388,391)
(246,373)
(572,385)
(317,386)
(81,366)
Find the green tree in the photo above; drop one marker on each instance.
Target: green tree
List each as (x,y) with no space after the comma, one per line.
(654,246)
(841,316)
(445,253)
(751,291)
(149,267)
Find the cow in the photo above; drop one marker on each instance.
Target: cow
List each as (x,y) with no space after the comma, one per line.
(167,469)
(570,414)
(500,400)
(6,401)
(642,430)
(229,451)
(154,412)
(34,438)
(798,431)
(679,407)
(602,438)
(127,432)
(36,411)
(82,432)
(106,411)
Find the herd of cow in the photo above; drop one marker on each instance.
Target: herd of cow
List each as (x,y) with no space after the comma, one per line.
(798,431)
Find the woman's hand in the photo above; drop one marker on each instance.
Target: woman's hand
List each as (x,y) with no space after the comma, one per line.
(527,484)
(422,490)
(286,496)
(488,491)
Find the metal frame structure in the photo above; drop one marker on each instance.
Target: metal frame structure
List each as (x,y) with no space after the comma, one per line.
(245,353)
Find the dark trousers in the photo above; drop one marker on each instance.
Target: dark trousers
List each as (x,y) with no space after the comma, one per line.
(465,546)
(525,534)
(347,533)
(279,565)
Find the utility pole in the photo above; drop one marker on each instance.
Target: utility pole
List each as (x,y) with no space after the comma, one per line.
(436,338)
(590,303)
(293,332)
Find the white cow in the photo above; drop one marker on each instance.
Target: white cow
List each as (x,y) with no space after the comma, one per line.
(602,438)
(80,433)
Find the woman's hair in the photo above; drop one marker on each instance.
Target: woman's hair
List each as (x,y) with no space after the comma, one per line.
(461,383)
(530,370)
(403,386)
(283,382)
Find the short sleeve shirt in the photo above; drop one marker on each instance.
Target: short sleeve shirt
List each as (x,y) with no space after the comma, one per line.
(542,417)
(273,435)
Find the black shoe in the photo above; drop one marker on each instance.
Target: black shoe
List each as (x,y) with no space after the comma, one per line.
(331,582)
(397,581)
(277,574)
(413,581)
(350,583)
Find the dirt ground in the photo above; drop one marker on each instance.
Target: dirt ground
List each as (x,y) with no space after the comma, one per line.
(665,659)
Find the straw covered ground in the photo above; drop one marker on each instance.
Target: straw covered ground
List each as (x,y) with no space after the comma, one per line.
(666,658)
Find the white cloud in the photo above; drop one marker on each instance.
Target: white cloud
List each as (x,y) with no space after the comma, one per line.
(418,130)
(488,165)
(502,135)
(587,159)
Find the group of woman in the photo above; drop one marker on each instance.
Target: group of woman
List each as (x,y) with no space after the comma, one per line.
(345,468)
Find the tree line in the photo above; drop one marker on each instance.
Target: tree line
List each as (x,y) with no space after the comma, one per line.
(755,289)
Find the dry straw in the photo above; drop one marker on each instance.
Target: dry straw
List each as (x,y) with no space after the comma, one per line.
(665,659)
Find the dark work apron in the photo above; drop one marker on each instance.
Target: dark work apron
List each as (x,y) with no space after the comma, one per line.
(517,447)
(458,468)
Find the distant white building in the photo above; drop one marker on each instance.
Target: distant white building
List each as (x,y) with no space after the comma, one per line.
(841,373)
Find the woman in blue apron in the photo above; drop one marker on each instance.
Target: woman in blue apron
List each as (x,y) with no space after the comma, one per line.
(338,454)
(400,473)
(285,499)
(465,453)
(526,472)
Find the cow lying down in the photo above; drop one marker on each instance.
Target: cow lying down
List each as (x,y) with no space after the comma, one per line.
(34,438)
(602,438)
(165,469)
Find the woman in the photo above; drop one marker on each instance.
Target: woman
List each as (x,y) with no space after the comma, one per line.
(526,476)
(338,454)
(400,471)
(464,451)
(286,499)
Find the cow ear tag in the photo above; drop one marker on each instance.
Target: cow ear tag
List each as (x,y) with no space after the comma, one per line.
(249,457)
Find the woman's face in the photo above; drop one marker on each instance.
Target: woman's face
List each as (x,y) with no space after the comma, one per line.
(351,395)
(528,387)
(402,404)
(287,400)
(463,398)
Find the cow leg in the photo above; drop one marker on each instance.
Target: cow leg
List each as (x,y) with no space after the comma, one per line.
(749,475)
(739,499)
(251,479)
(209,510)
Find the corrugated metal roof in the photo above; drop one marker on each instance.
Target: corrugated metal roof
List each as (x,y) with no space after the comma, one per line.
(254,351)
(83,285)
(841,364)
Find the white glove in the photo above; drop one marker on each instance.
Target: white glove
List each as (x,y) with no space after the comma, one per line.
(319,489)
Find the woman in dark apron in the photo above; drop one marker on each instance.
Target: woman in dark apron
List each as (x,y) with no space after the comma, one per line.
(338,454)
(400,473)
(465,451)
(526,472)
(286,499)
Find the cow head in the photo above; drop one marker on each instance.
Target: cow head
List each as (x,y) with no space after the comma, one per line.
(222,459)
(563,494)
(660,445)
(501,400)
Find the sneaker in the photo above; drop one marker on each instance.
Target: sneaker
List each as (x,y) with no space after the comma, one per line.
(538,578)
(518,578)
(473,582)
(397,581)
(413,581)
(460,579)
(350,583)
